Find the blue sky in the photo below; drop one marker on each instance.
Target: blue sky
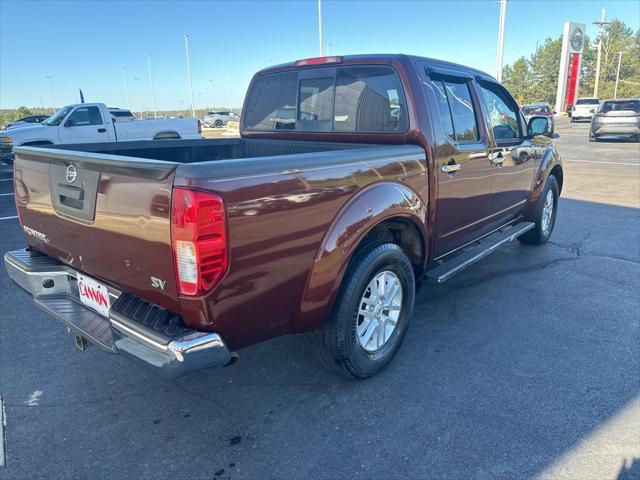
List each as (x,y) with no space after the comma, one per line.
(87,44)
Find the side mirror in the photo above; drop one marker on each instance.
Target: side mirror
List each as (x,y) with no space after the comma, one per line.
(538,126)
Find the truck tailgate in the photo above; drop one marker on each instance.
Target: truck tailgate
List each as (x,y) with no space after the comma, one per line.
(106,216)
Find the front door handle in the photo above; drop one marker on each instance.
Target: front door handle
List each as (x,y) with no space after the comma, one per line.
(102,130)
(450,168)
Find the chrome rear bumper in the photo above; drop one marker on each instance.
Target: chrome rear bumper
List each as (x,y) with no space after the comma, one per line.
(176,350)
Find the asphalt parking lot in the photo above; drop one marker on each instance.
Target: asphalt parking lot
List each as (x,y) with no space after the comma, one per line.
(525,366)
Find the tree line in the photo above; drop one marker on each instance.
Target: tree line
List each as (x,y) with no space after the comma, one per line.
(535,79)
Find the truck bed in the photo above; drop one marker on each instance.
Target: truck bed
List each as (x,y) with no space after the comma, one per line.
(113,222)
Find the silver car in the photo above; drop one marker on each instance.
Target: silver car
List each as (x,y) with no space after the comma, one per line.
(619,117)
(220,119)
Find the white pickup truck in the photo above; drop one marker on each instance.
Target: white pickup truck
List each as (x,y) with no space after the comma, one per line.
(94,123)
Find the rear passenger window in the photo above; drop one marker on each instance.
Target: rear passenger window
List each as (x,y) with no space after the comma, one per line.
(457,113)
(443,109)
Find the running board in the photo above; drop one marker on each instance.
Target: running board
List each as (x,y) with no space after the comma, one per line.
(481,249)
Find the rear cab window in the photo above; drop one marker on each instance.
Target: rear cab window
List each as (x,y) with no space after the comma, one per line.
(363,99)
(587,101)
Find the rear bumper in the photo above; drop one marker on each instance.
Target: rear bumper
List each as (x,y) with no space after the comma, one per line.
(615,129)
(143,332)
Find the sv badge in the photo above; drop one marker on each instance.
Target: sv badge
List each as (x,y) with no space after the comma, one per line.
(158,283)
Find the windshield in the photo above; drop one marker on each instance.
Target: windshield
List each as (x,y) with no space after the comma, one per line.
(57,117)
(587,101)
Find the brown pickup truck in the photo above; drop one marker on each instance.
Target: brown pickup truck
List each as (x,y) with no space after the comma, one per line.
(354,179)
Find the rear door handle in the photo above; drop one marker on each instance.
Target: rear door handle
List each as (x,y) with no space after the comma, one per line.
(451,168)
(102,130)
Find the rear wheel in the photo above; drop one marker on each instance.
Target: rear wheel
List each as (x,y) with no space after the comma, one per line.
(545,214)
(371,313)
(219,123)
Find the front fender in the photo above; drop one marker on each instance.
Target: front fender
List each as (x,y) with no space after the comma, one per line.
(550,158)
(371,206)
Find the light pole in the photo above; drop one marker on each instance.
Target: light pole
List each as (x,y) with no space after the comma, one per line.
(229,89)
(500,52)
(211,86)
(153,92)
(126,87)
(600,24)
(138,95)
(320,25)
(615,90)
(53,97)
(186,47)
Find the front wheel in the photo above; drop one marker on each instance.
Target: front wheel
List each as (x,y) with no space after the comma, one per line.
(371,313)
(545,214)
(219,124)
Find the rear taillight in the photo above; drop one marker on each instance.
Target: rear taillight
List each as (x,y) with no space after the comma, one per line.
(199,239)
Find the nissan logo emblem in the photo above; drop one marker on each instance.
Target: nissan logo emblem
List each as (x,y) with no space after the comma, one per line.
(72,173)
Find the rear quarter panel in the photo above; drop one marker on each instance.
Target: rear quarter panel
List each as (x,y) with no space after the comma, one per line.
(280,232)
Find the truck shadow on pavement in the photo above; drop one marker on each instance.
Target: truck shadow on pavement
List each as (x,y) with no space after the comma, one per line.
(503,370)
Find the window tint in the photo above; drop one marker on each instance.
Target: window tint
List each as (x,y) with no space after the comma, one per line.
(502,111)
(369,99)
(344,99)
(463,113)
(272,102)
(620,105)
(85,116)
(120,113)
(587,101)
(315,104)
(443,108)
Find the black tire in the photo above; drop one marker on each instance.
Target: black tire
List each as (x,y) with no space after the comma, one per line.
(219,124)
(337,344)
(538,235)
(573,120)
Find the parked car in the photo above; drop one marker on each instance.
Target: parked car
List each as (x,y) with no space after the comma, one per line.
(392,169)
(93,123)
(220,119)
(584,108)
(543,109)
(26,121)
(616,117)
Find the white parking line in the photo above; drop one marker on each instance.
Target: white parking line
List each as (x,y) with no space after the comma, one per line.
(3,441)
(5,194)
(603,163)
(8,218)
(6,179)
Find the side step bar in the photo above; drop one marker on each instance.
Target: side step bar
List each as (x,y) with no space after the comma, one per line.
(481,249)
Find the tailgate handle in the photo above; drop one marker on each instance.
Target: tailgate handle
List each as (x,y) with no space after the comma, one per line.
(71,196)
